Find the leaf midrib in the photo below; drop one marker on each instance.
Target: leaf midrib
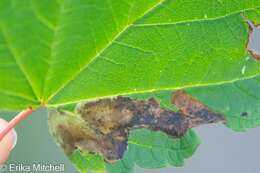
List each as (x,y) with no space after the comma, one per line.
(103,50)
(18,63)
(18,96)
(55,29)
(160,89)
(195,20)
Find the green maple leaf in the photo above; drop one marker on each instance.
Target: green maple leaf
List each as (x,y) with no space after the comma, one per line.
(55,53)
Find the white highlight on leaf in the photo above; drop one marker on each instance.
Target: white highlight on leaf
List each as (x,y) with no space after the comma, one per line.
(243,70)
(227,108)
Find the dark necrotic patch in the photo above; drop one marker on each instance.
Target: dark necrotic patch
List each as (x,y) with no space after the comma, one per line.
(244,114)
(103,126)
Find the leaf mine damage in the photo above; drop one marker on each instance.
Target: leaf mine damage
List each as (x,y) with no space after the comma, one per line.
(103,126)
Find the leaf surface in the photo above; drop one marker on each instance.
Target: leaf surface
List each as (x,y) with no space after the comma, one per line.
(147,149)
(60,52)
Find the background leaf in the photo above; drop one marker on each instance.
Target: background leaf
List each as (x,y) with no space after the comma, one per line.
(239,101)
(85,162)
(146,149)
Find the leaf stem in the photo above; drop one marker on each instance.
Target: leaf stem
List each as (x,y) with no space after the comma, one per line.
(15,121)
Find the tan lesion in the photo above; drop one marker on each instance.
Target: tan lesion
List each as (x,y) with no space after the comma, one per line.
(197,113)
(103,126)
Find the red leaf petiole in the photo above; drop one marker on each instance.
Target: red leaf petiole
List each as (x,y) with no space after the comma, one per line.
(16,120)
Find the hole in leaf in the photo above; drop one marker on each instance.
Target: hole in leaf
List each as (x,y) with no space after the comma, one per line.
(253,45)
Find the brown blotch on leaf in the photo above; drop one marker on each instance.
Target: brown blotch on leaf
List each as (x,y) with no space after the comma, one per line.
(196,112)
(255,54)
(103,126)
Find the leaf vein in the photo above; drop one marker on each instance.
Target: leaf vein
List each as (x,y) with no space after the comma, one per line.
(15,57)
(102,51)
